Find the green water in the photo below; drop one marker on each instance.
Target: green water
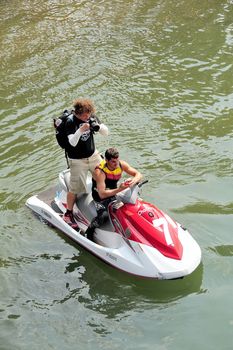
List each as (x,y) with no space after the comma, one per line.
(161,76)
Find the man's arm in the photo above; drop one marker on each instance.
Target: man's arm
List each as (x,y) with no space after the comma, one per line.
(103,130)
(74,136)
(99,177)
(137,176)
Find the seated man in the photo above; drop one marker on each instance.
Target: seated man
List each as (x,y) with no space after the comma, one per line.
(104,185)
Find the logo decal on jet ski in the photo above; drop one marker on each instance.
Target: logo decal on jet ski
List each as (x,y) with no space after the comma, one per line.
(164,227)
(140,212)
(46,214)
(111,256)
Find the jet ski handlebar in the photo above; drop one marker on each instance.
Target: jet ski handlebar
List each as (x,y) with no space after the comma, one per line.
(130,194)
(140,184)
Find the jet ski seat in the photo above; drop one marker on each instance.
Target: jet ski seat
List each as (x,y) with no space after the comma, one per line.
(86,205)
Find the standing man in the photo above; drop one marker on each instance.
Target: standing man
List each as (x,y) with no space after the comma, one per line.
(105,185)
(83,156)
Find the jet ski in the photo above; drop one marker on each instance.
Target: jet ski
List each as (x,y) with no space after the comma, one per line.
(137,237)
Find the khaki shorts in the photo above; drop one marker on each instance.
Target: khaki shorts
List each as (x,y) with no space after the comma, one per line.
(78,172)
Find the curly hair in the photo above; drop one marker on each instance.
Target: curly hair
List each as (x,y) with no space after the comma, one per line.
(83,105)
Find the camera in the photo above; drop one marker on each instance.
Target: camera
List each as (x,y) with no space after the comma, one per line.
(94,126)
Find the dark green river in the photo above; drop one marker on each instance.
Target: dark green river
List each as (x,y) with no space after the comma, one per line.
(161,76)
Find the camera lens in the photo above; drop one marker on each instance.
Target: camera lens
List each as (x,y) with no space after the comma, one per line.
(94,126)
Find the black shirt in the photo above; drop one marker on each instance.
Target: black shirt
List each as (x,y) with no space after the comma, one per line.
(85,146)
